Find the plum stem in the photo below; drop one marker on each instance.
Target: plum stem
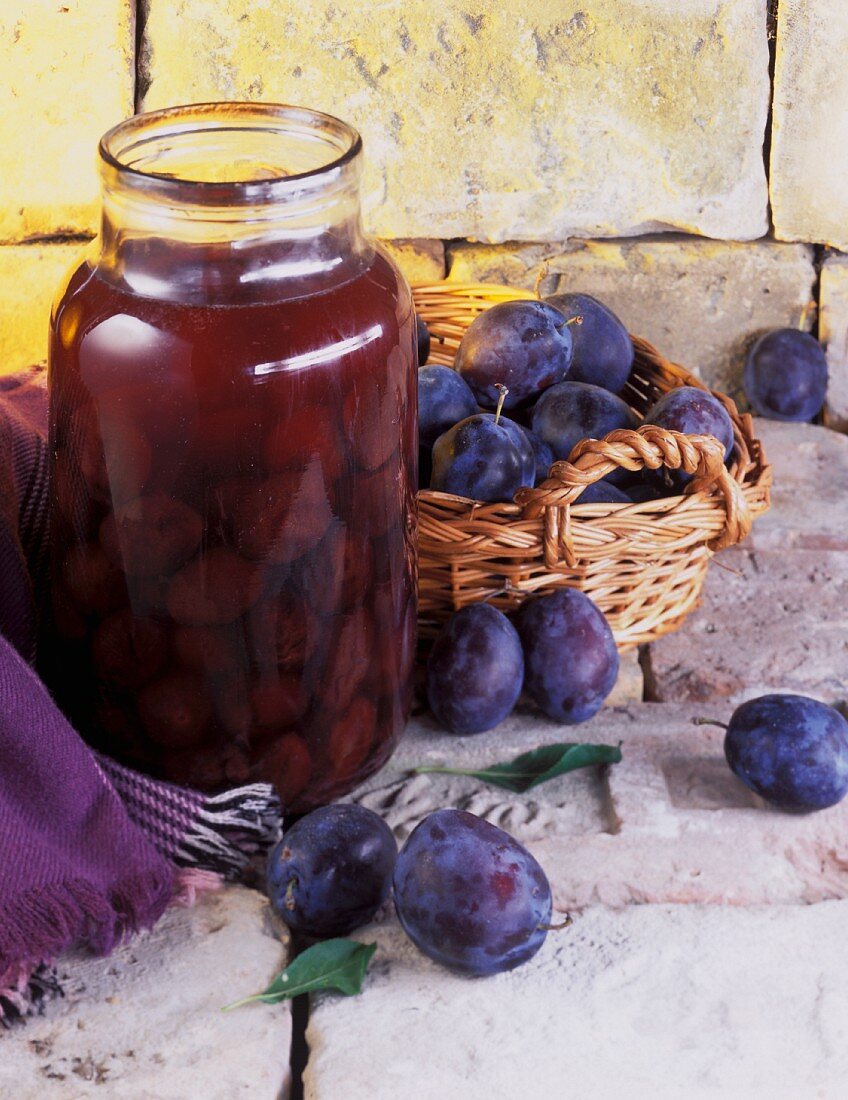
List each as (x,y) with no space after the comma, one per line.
(543,273)
(502,392)
(575,320)
(709,722)
(556,927)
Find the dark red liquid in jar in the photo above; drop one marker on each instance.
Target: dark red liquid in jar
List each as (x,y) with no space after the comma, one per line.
(233,529)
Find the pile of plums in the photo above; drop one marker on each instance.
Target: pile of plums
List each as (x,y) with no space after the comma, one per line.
(467,894)
(556,368)
(559,649)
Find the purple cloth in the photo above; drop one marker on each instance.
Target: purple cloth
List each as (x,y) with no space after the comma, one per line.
(90,851)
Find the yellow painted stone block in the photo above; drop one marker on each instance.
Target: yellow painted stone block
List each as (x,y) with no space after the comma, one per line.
(420,261)
(809,149)
(67,73)
(30,275)
(504,120)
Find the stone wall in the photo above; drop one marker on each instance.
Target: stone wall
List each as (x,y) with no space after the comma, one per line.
(652,153)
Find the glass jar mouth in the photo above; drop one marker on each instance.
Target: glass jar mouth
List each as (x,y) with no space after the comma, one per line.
(230,153)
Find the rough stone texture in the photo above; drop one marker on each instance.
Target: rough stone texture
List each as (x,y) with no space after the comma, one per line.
(649,1002)
(833,332)
(30,275)
(810,123)
(669,823)
(770,620)
(145,1023)
(630,685)
(505,122)
(809,505)
(420,261)
(68,75)
(700,302)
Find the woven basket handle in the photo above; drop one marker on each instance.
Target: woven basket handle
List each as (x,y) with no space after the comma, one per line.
(649,447)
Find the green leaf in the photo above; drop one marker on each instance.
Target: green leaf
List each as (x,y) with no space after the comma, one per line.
(333,964)
(535,767)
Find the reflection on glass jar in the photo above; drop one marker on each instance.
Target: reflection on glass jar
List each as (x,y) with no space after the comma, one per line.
(232,376)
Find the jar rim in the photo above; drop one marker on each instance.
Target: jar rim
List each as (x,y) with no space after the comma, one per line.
(228,116)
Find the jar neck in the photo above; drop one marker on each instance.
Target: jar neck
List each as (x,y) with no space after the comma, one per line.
(227,203)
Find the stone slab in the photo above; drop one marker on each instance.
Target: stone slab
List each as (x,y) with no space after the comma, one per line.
(770,620)
(68,76)
(833,333)
(660,1002)
(30,276)
(669,823)
(809,144)
(145,1023)
(809,505)
(498,123)
(702,303)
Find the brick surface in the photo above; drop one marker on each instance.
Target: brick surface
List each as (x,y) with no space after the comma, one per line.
(809,505)
(669,823)
(146,1023)
(529,122)
(30,276)
(68,75)
(700,302)
(833,332)
(649,1002)
(770,620)
(810,123)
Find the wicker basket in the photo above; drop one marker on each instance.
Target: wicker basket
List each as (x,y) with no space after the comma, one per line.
(643,564)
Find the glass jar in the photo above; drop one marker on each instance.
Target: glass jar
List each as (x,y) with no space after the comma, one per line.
(233,438)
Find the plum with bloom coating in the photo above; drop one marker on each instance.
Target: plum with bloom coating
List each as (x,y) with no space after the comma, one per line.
(475,670)
(484,457)
(603,350)
(570,658)
(443,400)
(572,411)
(791,750)
(525,345)
(469,896)
(785,375)
(332,870)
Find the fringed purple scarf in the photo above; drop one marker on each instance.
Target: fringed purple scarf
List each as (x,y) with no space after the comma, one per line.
(90,851)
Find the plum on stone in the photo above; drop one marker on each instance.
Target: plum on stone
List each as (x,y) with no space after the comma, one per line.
(570,657)
(603,350)
(469,896)
(785,375)
(791,750)
(524,345)
(475,670)
(332,870)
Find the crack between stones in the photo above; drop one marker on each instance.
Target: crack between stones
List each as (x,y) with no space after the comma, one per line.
(140,12)
(650,690)
(299,1051)
(771,39)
